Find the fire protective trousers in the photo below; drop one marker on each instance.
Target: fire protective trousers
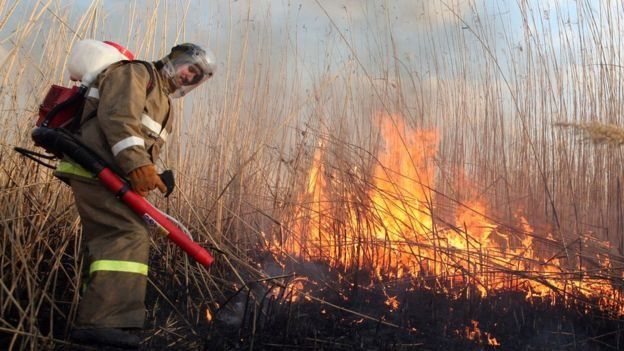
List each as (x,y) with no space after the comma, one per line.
(116,245)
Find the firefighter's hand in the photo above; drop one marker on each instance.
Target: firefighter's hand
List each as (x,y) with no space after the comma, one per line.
(145,179)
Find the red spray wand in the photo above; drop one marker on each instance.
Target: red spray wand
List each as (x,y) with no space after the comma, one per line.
(63,143)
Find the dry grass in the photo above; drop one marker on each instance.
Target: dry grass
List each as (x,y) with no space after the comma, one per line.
(243,151)
(596,132)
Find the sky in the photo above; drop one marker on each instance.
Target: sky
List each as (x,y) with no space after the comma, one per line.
(342,27)
(432,41)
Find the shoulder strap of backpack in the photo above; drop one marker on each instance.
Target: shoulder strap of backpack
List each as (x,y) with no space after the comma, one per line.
(150,69)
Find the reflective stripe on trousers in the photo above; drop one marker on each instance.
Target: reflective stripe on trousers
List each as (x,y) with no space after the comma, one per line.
(118,266)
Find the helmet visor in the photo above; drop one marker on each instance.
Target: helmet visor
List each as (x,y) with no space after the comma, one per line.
(188,70)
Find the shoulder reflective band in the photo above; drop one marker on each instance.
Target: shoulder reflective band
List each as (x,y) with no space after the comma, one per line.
(118,266)
(72,168)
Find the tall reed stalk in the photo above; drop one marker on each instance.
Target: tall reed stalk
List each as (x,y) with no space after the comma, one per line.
(244,142)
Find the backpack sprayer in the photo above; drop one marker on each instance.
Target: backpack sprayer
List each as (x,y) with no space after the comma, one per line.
(61,106)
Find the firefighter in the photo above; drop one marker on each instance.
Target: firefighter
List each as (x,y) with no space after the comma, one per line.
(126,119)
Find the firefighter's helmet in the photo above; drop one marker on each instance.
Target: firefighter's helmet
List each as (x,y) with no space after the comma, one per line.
(187,66)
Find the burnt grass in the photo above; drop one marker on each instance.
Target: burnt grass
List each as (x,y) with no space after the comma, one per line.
(438,324)
(350,316)
(346,316)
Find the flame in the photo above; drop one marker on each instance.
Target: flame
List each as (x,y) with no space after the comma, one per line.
(392,302)
(492,340)
(291,290)
(385,220)
(473,333)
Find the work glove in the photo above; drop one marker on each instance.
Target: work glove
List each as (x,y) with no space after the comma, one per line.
(145,179)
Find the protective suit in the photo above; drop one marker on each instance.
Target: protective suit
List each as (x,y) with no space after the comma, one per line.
(126,120)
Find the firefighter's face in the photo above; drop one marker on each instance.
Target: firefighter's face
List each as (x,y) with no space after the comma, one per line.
(188,74)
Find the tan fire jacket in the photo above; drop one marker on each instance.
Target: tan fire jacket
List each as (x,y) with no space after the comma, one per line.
(129,127)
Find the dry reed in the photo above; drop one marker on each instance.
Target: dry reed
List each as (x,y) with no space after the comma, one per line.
(243,151)
(596,132)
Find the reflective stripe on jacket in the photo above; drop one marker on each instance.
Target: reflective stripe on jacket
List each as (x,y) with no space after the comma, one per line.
(69,167)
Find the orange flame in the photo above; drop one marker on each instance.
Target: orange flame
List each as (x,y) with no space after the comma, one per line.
(393,303)
(473,333)
(387,222)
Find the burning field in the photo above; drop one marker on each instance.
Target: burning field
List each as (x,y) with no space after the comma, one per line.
(379,259)
(395,224)
(394,175)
